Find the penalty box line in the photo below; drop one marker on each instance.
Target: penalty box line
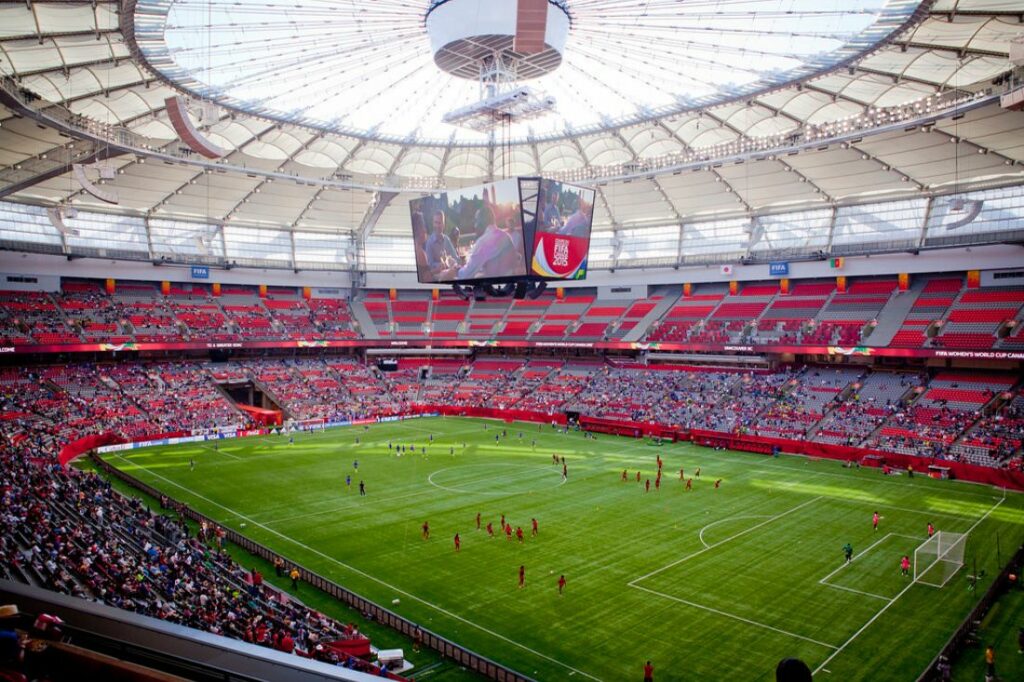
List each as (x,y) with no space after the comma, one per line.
(733,616)
(370,576)
(825,581)
(892,601)
(634,583)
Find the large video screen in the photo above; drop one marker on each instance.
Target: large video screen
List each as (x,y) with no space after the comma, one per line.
(469,234)
(561,237)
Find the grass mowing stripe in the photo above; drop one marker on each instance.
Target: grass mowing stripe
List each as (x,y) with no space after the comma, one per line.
(369,576)
(602,533)
(894,599)
(733,616)
(633,583)
(351,505)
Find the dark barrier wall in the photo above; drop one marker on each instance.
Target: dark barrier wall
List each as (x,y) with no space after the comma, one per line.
(1004,478)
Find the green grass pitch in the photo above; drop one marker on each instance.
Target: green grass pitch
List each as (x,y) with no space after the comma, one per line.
(710,584)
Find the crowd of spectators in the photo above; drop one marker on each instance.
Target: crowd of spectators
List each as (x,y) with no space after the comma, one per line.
(69,531)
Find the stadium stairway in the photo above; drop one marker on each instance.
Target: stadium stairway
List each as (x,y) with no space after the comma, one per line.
(893,313)
(362,316)
(644,324)
(907,400)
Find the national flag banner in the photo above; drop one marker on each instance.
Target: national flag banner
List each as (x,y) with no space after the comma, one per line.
(727,270)
(836,263)
(560,256)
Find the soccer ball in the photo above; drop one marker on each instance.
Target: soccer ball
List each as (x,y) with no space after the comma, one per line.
(395,601)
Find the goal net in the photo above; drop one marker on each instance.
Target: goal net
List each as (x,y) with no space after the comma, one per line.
(939,558)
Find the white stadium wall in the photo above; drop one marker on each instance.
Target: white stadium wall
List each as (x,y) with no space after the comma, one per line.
(47,267)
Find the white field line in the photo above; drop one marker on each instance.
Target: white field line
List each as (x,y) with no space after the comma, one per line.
(700,535)
(892,601)
(219,452)
(733,616)
(824,581)
(633,583)
(371,577)
(860,592)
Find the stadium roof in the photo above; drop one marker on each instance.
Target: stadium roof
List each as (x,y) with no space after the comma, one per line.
(679,112)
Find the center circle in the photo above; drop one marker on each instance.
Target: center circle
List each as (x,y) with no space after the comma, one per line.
(496,478)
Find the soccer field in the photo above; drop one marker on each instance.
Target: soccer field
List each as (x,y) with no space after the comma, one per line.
(710,584)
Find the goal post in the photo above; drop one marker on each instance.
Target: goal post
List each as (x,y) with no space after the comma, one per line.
(938,559)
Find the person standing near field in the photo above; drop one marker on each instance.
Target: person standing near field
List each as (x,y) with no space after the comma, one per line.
(535,528)
(874,520)
(848,551)
(362,489)
(522,576)
(425,531)
(905,565)
(561,583)
(458,543)
(490,529)
(478,520)
(648,672)
(931,529)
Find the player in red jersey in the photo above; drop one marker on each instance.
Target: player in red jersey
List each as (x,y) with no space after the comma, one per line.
(623,474)
(458,542)
(931,529)
(638,477)
(905,565)
(682,473)
(647,486)
(502,520)
(519,533)
(426,530)
(508,532)
(657,484)
(490,528)
(561,583)
(874,520)
(648,672)
(689,484)
(659,462)
(478,520)
(535,527)
(522,577)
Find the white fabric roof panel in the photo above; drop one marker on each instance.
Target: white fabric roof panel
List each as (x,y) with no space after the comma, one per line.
(110,87)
